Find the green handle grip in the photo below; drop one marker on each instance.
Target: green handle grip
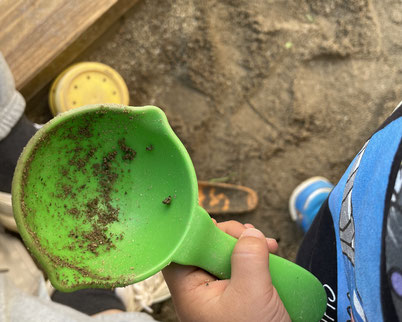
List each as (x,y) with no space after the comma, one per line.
(208,247)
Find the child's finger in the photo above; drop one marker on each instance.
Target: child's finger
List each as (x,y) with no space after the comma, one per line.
(232,227)
(272,245)
(250,264)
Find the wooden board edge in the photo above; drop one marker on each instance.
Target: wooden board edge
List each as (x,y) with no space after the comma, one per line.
(44,76)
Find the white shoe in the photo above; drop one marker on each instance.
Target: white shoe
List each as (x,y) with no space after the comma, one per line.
(6,212)
(142,295)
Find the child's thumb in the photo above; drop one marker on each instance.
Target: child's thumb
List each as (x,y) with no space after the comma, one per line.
(250,272)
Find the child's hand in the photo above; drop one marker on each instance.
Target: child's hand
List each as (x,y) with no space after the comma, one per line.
(248,296)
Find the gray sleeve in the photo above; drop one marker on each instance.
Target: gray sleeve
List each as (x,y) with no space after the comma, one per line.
(12,104)
(16,305)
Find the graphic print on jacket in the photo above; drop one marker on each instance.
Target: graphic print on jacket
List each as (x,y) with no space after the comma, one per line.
(347,237)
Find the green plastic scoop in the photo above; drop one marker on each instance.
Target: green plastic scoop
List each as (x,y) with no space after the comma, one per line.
(106,196)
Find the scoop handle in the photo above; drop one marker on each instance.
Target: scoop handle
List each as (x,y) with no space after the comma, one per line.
(209,248)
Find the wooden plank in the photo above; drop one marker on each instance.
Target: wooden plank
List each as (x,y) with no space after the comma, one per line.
(34,34)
